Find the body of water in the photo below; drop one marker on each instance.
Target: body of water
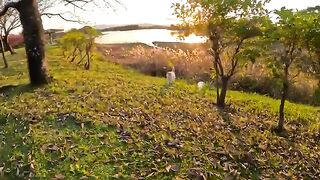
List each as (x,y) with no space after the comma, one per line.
(146,36)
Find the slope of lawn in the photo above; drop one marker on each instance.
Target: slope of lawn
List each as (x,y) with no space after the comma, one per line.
(111,122)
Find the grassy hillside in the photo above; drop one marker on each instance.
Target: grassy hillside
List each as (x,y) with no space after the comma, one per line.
(111,122)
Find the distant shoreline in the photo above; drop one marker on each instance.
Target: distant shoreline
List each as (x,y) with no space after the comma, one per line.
(136,27)
(132,27)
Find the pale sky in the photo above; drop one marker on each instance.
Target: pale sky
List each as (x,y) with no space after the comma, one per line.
(150,11)
(133,12)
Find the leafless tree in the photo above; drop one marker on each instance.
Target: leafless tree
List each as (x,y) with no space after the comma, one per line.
(3,52)
(11,21)
(8,23)
(33,32)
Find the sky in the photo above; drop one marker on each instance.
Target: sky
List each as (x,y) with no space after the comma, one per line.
(146,11)
(132,12)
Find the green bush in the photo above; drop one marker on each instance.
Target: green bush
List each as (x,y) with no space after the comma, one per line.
(317,96)
(265,85)
(272,87)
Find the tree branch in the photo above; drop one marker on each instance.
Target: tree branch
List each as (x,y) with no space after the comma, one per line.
(7,6)
(74,3)
(50,15)
(234,61)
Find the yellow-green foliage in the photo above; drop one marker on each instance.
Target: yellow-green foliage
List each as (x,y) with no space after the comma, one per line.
(76,42)
(72,40)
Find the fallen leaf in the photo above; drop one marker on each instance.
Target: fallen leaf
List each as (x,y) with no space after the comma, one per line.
(172,168)
(263,147)
(59,177)
(196,174)
(52,148)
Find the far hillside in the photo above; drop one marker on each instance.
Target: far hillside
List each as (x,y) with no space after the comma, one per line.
(133,27)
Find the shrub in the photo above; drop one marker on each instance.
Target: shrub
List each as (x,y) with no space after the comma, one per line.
(79,44)
(317,96)
(16,41)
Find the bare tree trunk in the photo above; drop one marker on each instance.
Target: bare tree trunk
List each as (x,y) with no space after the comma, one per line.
(87,64)
(217,80)
(88,49)
(221,101)
(33,35)
(51,38)
(73,56)
(7,45)
(220,95)
(285,90)
(3,54)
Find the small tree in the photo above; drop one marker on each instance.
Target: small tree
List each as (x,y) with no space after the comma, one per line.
(11,21)
(3,53)
(8,23)
(72,44)
(77,42)
(231,26)
(286,48)
(91,34)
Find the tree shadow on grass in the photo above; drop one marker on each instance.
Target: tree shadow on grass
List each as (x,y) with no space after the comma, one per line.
(10,91)
(69,139)
(253,171)
(15,147)
(225,115)
(21,146)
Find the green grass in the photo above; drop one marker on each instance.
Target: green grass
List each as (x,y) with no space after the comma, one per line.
(111,122)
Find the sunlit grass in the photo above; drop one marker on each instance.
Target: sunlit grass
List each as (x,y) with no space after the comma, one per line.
(111,122)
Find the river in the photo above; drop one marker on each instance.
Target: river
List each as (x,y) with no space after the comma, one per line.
(146,36)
